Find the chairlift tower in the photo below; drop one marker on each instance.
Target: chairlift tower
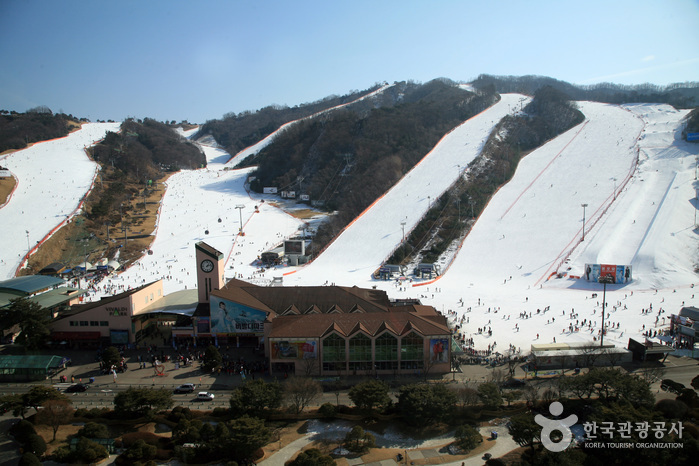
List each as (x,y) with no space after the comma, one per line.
(240,208)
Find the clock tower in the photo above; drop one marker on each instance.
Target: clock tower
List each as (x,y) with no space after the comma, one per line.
(209,270)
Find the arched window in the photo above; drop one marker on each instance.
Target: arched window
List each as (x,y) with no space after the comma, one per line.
(334,355)
(386,352)
(412,351)
(360,352)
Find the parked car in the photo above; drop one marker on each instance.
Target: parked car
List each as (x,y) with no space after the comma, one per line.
(185,388)
(205,396)
(78,387)
(670,385)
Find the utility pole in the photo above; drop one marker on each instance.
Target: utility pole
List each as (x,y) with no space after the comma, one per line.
(604,279)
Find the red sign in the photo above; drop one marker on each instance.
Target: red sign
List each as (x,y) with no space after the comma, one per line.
(608,270)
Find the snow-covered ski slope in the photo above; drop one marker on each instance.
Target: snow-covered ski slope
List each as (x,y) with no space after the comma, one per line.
(207,205)
(627,163)
(52,179)
(360,249)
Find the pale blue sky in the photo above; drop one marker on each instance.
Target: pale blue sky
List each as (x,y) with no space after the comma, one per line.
(196,60)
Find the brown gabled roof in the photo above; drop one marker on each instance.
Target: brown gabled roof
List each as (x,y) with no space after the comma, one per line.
(320,325)
(306,299)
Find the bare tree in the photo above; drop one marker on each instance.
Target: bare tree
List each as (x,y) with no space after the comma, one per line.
(512,362)
(531,394)
(310,366)
(613,356)
(497,377)
(652,374)
(55,413)
(587,355)
(301,392)
(468,395)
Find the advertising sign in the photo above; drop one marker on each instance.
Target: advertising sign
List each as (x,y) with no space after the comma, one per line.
(295,247)
(439,350)
(620,273)
(229,317)
(294,349)
(119,337)
(269,190)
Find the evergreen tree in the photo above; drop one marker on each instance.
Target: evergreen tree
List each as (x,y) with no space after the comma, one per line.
(370,394)
(32,320)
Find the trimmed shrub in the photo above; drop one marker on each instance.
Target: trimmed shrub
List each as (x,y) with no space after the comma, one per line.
(29,459)
(327,410)
(133,437)
(22,430)
(93,430)
(672,409)
(35,444)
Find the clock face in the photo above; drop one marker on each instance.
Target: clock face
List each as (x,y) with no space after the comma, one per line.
(207,265)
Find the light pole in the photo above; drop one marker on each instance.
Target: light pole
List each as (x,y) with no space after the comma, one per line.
(604,279)
(240,211)
(29,246)
(583,232)
(614,193)
(402,224)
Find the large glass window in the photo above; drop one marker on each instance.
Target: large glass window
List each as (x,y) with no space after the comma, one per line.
(334,349)
(386,352)
(412,350)
(360,352)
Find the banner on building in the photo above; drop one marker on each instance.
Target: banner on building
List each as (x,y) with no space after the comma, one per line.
(294,349)
(230,317)
(439,350)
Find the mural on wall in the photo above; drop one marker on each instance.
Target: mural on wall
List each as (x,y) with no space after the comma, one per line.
(295,349)
(439,350)
(230,317)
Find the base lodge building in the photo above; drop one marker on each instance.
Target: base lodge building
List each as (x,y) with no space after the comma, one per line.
(314,330)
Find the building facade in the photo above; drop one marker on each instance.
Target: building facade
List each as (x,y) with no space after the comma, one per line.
(314,330)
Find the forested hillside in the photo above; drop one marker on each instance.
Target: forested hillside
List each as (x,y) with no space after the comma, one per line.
(679,95)
(142,151)
(693,121)
(348,158)
(235,132)
(18,130)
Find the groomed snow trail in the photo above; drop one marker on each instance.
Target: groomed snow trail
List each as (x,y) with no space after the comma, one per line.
(53,177)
